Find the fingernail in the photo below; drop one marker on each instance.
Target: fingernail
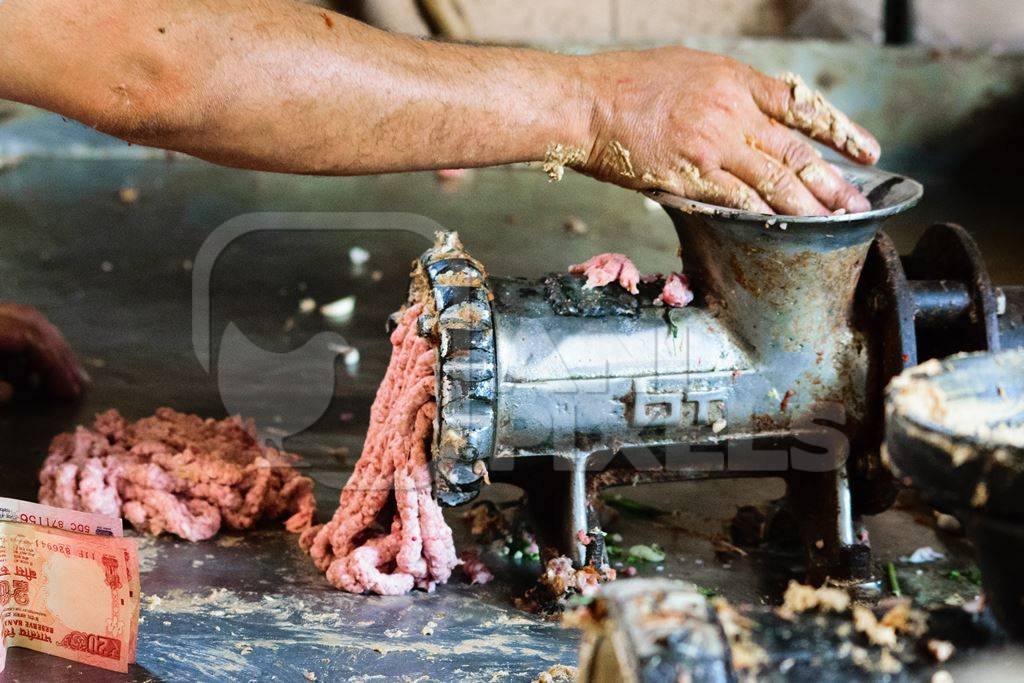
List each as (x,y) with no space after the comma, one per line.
(871,150)
(857,203)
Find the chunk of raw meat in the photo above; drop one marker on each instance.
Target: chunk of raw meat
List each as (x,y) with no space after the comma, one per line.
(676,293)
(607,268)
(604,269)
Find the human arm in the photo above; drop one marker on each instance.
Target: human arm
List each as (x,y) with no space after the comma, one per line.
(281,86)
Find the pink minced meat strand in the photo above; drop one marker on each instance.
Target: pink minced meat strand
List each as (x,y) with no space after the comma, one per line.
(388,535)
(176,473)
(604,269)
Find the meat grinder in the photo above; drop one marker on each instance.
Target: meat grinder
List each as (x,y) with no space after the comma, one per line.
(776,369)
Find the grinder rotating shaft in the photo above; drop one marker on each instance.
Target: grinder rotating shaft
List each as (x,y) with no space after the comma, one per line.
(772,371)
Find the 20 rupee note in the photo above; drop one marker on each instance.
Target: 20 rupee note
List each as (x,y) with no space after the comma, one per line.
(71,595)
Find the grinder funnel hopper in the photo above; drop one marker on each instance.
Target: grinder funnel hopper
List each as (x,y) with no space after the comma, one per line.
(785,283)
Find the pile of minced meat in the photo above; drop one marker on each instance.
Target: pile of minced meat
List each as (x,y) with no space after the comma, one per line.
(175,473)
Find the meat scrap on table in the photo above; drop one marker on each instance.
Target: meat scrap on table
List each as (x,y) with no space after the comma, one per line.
(177,473)
(560,581)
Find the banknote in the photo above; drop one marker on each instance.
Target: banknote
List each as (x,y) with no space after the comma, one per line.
(59,518)
(71,595)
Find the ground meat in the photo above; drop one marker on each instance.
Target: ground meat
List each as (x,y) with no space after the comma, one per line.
(676,293)
(176,473)
(388,535)
(607,268)
(604,269)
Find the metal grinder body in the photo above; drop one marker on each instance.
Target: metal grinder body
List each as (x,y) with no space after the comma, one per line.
(773,371)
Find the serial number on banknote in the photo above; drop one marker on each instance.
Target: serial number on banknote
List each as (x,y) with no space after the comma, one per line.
(76,527)
(56,548)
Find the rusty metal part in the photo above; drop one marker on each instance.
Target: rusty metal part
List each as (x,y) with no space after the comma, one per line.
(884,315)
(954,300)
(933,302)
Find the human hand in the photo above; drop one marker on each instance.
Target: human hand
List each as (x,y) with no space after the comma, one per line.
(712,129)
(26,333)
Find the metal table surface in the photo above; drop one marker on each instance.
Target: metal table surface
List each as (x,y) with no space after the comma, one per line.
(114,276)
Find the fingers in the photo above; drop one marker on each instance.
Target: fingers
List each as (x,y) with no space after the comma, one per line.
(823,179)
(789,100)
(714,186)
(777,184)
(25,331)
(733,192)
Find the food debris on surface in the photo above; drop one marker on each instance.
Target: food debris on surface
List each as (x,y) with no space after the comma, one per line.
(913,394)
(947,523)
(349,355)
(177,473)
(558,157)
(474,568)
(941,650)
(358,256)
(800,598)
(128,195)
(339,311)
(878,633)
(560,581)
(923,555)
(784,403)
(574,225)
(747,656)
(486,522)
(388,535)
(559,673)
(647,553)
